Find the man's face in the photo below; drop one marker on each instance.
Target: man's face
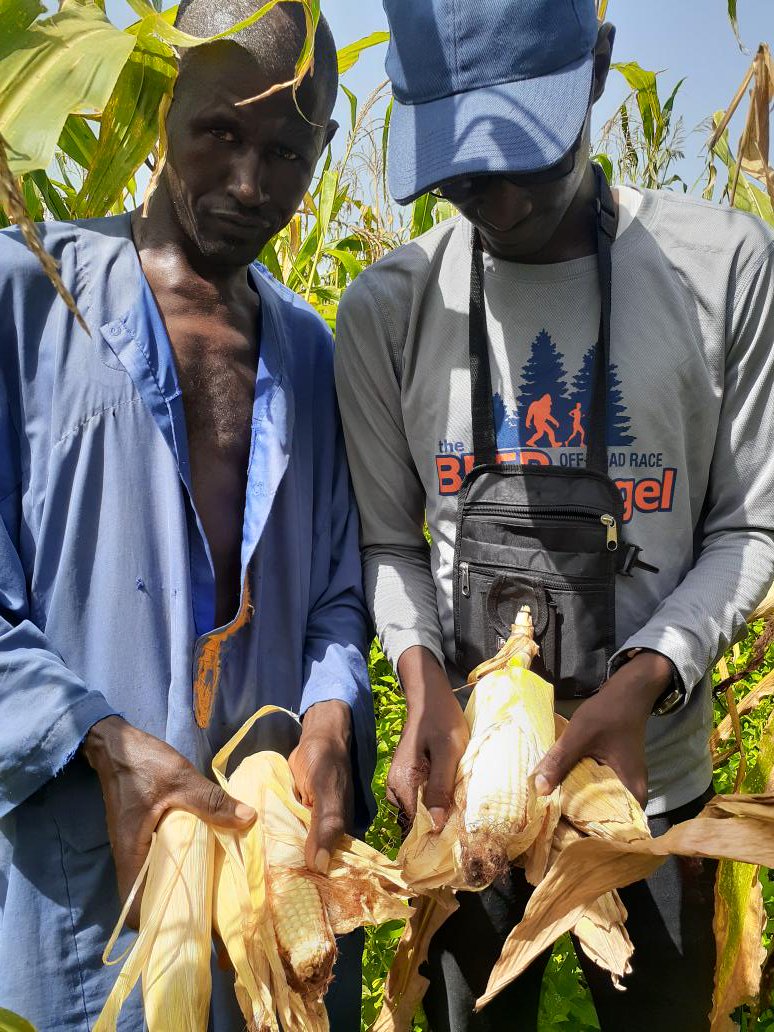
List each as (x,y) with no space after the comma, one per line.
(235,176)
(517,220)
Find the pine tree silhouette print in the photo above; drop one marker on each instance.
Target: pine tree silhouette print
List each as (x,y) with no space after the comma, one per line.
(618,424)
(506,425)
(543,406)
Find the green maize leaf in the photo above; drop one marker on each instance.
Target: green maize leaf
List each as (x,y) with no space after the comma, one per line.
(10,1022)
(351,265)
(603,160)
(644,85)
(159,23)
(350,55)
(59,65)
(422,215)
(78,141)
(54,197)
(385,141)
(268,257)
(352,105)
(129,125)
(32,201)
(329,186)
(732,15)
(15,17)
(748,196)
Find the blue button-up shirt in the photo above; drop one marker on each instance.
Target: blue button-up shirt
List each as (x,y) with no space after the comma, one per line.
(107,585)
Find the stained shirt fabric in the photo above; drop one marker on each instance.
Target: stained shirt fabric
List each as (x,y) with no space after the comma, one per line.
(107,588)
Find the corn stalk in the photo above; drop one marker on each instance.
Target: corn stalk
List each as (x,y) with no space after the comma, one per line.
(752,157)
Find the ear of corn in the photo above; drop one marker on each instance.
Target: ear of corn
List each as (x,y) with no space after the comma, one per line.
(301,927)
(276,920)
(511,718)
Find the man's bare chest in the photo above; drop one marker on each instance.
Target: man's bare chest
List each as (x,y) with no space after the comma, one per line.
(218,392)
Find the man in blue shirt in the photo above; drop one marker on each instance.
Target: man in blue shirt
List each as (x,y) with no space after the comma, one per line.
(178,544)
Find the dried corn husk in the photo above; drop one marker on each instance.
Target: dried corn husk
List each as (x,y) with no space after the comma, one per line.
(601,928)
(284,968)
(249,884)
(172,951)
(736,827)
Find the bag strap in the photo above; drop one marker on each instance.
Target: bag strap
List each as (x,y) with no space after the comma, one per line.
(607,224)
(484,434)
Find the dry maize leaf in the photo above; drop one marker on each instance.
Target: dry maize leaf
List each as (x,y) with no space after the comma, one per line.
(738,925)
(172,950)
(405,987)
(429,859)
(595,801)
(601,932)
(587,869)
(754,145)
(601,928)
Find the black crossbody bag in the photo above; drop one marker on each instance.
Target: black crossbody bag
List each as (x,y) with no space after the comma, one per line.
(544,536)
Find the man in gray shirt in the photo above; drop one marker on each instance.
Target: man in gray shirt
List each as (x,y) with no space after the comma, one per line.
(494,115)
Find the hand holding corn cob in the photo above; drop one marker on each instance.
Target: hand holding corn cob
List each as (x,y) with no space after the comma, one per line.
(142,778)
(610,726)
(276,918)
(322,771)
(433,740)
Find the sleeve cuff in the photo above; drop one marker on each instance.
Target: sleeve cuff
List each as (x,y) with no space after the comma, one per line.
(47,757)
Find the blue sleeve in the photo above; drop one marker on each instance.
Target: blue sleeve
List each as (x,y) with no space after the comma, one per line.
(45,710)
(338,631)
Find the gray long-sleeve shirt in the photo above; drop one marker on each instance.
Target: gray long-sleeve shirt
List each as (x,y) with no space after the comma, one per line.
(690,431)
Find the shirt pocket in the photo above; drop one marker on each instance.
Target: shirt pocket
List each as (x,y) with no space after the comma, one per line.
(75,802)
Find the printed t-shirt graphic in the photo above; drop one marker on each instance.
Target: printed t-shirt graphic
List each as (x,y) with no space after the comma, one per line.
(547,424)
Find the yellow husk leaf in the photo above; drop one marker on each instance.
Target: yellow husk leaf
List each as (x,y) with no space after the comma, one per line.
(268,873)
(173,948)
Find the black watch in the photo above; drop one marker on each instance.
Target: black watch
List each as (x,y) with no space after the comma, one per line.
(673,695)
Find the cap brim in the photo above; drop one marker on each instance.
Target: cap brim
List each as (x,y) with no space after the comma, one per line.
(520,126)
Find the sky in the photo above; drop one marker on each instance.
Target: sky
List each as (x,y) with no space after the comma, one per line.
(681,38)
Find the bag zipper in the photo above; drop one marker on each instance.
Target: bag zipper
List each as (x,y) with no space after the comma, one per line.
(563,515)
(549,578)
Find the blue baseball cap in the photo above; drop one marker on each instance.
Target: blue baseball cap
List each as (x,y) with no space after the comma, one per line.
(485,86)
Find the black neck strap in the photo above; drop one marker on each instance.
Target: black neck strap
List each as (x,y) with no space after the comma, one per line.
(484,434)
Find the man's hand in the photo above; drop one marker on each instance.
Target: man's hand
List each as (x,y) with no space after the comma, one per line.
(432,742)
(610,727)
(141,778)
(322,769)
